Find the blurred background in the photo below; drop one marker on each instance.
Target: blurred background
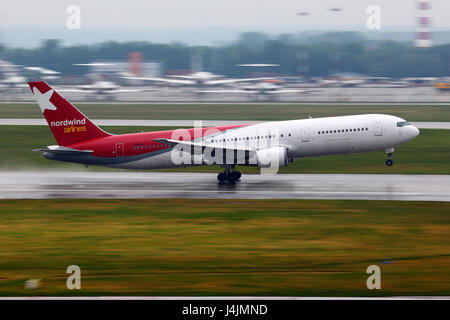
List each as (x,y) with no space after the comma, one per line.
(327,51)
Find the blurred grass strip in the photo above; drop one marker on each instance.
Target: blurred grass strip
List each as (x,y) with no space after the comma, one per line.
(225,247)
(223,111)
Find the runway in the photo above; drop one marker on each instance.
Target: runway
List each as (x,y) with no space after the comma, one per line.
(180,123)
(120,184)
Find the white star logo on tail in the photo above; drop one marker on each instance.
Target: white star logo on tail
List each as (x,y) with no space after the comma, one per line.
(43,99)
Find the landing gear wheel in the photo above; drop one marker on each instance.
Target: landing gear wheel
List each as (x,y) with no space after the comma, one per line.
(234,176)
(228,175)
(222,177)
(389,152)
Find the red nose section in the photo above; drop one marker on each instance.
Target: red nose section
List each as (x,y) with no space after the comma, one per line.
(68,124)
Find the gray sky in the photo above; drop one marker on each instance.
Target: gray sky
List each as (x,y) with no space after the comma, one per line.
(195,13)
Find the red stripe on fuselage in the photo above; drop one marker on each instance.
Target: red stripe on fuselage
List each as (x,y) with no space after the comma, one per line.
(106,147)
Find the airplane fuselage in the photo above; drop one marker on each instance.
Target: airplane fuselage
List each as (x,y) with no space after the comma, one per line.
(300,138)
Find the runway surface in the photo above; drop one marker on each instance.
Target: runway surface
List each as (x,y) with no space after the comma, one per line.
(182,123)
(82,184)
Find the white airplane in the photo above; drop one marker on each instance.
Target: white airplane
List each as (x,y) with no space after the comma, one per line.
(11,80)
(262,88)
(269,145)
(47,74)
(100,87)
(200,78)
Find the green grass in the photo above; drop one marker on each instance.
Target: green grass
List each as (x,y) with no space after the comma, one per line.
(427,154)
(225,247)
(258,112)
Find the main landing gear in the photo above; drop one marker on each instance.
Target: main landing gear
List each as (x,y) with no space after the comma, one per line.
(389,152)
(230,175)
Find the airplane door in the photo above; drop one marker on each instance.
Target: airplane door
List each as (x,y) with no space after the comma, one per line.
(305,134)
(377,129)
(119,149)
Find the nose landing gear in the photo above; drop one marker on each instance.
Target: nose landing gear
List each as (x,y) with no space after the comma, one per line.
(230,175)
(389,152)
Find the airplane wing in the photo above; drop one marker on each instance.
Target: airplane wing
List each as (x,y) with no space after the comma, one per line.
(224,91)
(228,81)
(193,77)
(239,155)
(256,91)
(181,76)
(291,91)
(74,90)
(172,142)
(216,152)
(156,79)
(100,91)
(19,85)
(124,90)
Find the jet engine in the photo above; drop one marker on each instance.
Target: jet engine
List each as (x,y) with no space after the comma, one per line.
(272,157)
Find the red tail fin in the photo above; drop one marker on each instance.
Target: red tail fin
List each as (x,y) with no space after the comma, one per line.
(67,123)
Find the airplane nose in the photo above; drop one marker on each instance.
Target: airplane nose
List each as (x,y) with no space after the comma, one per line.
(415,131)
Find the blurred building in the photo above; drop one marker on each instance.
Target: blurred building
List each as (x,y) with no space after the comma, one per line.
(126,68)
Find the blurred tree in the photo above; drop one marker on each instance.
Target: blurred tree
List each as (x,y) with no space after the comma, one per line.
(346,52)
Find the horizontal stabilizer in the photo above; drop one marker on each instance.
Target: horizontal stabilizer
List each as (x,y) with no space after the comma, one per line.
(59,149)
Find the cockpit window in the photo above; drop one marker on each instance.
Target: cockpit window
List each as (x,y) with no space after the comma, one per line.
(402,123)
